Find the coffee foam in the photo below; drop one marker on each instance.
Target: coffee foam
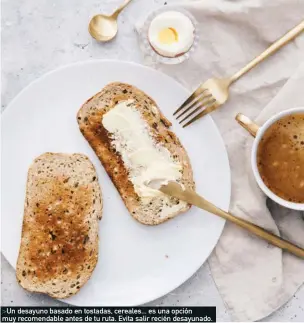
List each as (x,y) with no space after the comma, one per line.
(294,125)
(281,158)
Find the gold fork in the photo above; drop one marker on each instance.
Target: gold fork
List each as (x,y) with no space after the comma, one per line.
(214,92)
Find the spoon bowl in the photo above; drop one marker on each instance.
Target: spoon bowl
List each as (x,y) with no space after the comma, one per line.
(104,28)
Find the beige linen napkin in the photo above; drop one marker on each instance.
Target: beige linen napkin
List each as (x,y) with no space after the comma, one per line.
(253,278)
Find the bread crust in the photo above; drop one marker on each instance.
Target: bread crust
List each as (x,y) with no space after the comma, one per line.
(89,119)
(59,243)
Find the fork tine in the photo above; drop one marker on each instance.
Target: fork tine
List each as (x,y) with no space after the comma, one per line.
(196,93)
(200,99)
(200,115)
(204,104)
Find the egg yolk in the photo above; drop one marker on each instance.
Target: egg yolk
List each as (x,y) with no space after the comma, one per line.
(168,36)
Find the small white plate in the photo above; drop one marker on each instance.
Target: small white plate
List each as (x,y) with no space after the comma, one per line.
(137,263)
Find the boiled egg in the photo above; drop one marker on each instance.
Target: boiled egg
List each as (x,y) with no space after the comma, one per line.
(171,33)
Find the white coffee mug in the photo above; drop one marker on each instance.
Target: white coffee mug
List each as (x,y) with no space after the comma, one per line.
(258,132)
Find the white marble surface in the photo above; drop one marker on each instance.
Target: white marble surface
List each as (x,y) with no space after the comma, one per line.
(38,36)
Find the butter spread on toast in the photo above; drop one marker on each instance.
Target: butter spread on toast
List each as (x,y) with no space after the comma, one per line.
(144,158)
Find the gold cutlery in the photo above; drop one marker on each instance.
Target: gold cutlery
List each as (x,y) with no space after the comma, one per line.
(214,92)
(104,28)
(191,197)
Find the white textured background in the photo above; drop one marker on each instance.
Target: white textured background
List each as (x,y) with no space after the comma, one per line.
(39,36)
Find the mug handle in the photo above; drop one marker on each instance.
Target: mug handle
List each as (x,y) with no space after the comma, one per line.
(247,124)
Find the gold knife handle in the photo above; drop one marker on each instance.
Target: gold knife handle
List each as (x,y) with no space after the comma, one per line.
(191,197)
(252,228)
(294,32)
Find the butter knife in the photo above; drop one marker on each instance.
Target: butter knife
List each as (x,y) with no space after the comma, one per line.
(191,197)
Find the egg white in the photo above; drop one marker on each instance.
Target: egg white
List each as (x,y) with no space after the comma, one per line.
(183,27)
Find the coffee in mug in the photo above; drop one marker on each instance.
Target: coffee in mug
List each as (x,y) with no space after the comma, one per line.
(280,158)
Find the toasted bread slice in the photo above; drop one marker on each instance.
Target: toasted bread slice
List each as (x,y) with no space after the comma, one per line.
(59,243)
(90,118)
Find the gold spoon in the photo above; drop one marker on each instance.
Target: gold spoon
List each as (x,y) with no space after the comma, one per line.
(104,28)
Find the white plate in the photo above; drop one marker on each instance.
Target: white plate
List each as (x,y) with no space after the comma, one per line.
(137,263)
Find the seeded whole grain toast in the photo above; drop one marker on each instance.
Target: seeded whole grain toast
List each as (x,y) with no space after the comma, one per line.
(59,243)
(89,119)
